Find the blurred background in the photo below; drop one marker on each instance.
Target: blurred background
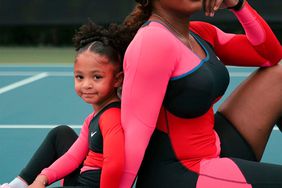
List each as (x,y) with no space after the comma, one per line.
(52,23)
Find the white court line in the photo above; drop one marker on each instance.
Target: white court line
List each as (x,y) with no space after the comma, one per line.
(35,126)
(23,82)
(31,73)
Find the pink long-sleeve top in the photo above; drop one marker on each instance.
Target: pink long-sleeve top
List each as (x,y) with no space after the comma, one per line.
(155,56)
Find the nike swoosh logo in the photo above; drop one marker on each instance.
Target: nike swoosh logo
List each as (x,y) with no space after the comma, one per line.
(92,134)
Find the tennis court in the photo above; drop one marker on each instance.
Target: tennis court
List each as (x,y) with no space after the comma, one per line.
(37,93)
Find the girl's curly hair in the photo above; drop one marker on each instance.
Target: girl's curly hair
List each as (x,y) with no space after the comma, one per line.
(111,41)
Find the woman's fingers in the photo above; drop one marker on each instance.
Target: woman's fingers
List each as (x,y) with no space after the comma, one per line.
(206,6)
(218,4)
(211,6)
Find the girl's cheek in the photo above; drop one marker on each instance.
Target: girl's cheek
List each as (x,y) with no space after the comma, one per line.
(76,88)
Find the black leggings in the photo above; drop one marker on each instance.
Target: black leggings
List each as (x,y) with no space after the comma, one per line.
(55,144)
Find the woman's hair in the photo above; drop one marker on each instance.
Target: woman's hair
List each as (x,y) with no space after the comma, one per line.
(140,14)
(111,42)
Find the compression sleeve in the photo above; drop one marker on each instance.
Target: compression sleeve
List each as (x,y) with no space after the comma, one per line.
(72,158)
(149,63)
(257,47)
(113,148)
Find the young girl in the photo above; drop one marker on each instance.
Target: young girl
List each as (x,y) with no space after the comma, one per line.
(96,157)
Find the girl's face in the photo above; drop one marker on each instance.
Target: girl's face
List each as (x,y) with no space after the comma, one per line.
(186,7)
(96,79)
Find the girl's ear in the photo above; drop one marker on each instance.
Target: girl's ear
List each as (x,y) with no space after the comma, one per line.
(118,79)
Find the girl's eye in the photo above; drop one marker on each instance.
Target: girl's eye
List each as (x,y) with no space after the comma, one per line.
(79,77)
(97,77)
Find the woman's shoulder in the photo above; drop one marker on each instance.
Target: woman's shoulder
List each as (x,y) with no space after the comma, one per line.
(153,35)
(155,30)
(201,27)
(205,30)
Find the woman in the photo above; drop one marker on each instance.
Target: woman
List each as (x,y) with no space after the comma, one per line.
(174,73)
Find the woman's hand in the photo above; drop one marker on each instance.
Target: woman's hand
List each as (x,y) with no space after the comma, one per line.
(211,6)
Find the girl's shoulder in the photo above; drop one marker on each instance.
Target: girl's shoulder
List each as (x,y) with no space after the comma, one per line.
(112,113)
(110,119)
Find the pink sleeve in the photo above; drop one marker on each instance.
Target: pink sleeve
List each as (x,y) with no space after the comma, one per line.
(72,158)
(149,63)
(257,47)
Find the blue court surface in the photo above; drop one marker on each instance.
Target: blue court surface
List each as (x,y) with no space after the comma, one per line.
(35,98)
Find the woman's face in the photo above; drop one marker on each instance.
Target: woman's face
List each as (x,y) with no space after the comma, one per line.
(187,7)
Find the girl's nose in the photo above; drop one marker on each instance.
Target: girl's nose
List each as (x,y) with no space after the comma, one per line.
(87,84)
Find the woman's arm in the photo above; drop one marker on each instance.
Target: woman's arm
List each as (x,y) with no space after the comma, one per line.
(149,63)
(257,47)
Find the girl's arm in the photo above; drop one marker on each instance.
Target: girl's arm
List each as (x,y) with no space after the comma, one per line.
(149,63)
(257,47)
(72,158)
(113,148)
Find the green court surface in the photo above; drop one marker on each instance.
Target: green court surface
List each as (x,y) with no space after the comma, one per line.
(35,55)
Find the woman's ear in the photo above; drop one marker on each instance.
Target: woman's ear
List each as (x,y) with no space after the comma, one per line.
(119,79)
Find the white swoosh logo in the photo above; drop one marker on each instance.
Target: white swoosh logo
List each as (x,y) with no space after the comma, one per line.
(92,134)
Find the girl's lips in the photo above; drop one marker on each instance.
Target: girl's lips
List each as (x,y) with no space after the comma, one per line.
(88,94)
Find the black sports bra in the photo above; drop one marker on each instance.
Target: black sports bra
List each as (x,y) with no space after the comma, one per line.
(193,93)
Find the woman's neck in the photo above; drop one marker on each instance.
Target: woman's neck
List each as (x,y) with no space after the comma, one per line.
(178,26)
(180,23)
